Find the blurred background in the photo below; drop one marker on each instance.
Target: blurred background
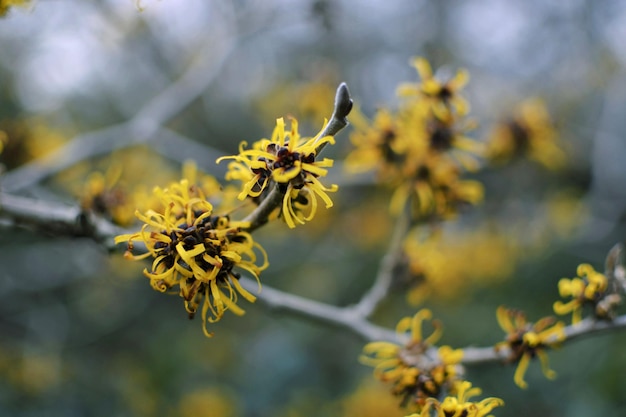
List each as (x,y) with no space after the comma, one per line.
(148,85)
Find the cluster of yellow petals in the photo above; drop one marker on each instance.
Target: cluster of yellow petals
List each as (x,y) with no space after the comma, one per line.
(105,195)
(196,251)
(416,370)
(421,149)
(443,96)
(289,161)
(527,340)
(459,405)
(588,288)
(528,132)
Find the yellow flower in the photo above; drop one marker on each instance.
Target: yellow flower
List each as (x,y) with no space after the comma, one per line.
(26,139)
(589,288)
(288,160)
(421,149)
(458,405)
(416,372)
(527,340)
(379,145)
(528,132)
(196,252)
(435,190)
(445,266)
(369,400)
(5,5)
(104,195)
(443,96)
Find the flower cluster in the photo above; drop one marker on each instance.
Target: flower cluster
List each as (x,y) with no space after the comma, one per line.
(196,252)
(459,405)
(421,150)
(289,161)
(588,288)
(443,97)
(526,341)
(527,132)
(417,370)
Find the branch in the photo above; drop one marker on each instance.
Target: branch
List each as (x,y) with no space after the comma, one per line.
(587,327)
(56,218)
(72,221)
(338,120)
(384,278)
(140,129)
(337,316)
(261,214)
(343,105)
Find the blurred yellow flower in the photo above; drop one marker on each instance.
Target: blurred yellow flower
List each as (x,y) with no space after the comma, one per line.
(588,288)
(370,400)
(421,149)
(23,140)
(528,132)
(104,195)
(445,266)
(443,96)
(5,5)
(206,402)
(526,341)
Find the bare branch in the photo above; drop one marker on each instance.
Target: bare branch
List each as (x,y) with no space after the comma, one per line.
(140,129)
(261,214)
(324,313)
(72,221)
(585,328)
(56,218)
(384,277)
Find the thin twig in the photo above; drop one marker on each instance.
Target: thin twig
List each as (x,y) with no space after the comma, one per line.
(318,311)
(140,129)
(338,120)
(587,327)
(384,278)
(56,218)
(261,214)
(72,221)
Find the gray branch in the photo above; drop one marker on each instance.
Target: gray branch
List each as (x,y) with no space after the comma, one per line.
(585,328)
(56,218)
(140,129)
(314,310)
(384,278)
